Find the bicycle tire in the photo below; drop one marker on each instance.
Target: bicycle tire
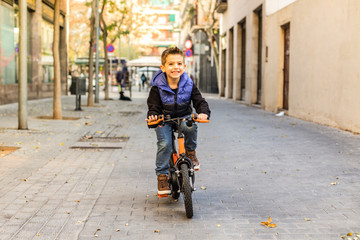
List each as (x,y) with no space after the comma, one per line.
(175,193)
(187,191)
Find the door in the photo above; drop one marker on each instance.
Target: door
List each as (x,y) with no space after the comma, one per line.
(286,29)
(243,59)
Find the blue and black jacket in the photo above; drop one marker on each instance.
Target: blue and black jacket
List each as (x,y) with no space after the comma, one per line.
(175,102)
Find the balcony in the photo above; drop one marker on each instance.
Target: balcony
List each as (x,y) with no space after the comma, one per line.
(221,6)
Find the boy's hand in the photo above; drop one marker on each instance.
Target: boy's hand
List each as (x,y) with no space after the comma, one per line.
(202,116)
(151,118)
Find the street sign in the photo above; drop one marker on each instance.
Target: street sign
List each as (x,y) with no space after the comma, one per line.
(110,48)
(188,52)
(188,44)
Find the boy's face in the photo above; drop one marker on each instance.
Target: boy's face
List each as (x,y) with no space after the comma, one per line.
(174,66)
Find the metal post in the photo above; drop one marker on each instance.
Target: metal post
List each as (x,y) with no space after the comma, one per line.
(22,88)
(97,54)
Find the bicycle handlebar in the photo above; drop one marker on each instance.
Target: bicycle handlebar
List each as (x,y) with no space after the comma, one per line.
(162,119)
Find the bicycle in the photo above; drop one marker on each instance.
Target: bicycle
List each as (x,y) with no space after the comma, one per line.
(181,171)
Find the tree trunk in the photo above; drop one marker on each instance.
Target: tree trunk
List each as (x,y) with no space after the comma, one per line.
(106,67)
(91,55)
(22,87)
(56,54)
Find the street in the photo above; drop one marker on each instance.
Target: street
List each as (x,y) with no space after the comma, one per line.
(94,178)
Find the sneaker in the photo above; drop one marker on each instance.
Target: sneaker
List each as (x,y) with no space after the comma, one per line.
(192,156)
(163,185)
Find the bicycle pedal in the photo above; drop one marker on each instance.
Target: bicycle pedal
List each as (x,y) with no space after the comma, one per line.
(163,195)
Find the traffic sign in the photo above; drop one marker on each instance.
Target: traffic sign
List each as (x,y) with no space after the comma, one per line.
(110,48)
(188,44)
(188,52)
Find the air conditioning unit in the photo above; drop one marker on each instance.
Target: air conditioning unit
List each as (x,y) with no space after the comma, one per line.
(221,6)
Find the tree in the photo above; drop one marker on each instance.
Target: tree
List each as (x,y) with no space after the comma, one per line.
(57,114)
(91,54)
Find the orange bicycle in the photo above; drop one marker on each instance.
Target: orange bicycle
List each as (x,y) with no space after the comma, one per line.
(181,171)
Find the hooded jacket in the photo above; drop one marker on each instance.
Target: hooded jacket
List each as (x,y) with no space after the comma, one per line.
(175,102)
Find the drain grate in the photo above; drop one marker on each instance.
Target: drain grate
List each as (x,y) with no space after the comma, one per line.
(104,139)
(90,142)
(129,114)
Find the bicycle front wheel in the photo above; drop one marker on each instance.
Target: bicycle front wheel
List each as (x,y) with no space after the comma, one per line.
(187,191)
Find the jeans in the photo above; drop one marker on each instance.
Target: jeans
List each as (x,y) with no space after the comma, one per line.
(164,144)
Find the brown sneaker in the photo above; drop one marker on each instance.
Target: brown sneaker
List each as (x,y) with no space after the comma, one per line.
(163,185)
(193,158)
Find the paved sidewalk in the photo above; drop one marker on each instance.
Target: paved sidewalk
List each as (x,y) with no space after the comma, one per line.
(253,165)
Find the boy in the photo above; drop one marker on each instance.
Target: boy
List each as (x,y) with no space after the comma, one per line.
(171,94)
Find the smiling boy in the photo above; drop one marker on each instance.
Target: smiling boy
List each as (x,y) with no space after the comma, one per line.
(171,94)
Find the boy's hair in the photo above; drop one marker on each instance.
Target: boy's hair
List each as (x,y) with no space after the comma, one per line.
(171,51)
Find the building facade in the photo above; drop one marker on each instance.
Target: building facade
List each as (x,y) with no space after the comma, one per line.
(162,32)
(297,56)
(40,30)
(195,19)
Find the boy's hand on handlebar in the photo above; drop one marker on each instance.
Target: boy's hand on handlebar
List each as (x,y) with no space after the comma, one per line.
(202,116)
(151,118)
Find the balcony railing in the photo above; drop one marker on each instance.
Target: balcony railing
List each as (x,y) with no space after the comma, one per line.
(221,6)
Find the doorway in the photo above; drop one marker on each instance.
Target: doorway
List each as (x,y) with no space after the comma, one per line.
(258,13)
(286,68)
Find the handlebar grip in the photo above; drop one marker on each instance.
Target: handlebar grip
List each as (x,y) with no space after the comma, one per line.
(194,117)
(156,123)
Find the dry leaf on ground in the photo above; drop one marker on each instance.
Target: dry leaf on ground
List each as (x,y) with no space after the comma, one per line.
(269,223)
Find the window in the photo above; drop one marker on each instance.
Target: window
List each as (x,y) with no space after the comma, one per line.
(171,17)
(8,45)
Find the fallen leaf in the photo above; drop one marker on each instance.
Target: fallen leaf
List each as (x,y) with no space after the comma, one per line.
(117,230)
(334,183)
(61,144)
(25,180)
(126,224)
(203,188)
(307,219)
(349,234)
(99,131)
(269,224)
(156,231)
(218,225)
(37,234)
(88,124)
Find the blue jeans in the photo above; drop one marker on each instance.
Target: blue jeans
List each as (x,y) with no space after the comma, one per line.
(164,144)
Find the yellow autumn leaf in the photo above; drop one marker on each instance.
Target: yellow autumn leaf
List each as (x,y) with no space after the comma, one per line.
(203,188)
(269,224)
(99,131)
(62,144)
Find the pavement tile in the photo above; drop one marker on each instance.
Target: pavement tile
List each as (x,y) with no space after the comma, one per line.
(254,166)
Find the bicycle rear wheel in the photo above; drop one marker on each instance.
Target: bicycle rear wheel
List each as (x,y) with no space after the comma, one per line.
(184,170)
